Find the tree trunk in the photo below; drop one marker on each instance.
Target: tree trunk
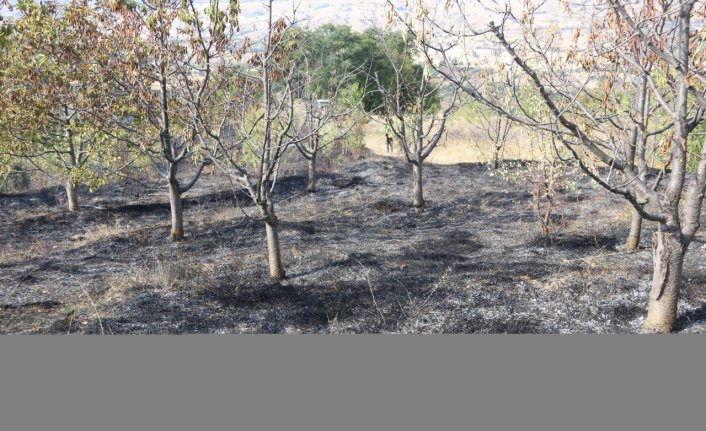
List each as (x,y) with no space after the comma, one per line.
(273,251)
(666,281)
(633,242)
(177,211)
(267,211)
(418,196)
(311,177)
(71,196)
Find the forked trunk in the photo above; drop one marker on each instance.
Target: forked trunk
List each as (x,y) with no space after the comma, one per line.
(418,196)
(71,196)
(311,177)
(273,251)
(633,242)
(666,281)
(177,211)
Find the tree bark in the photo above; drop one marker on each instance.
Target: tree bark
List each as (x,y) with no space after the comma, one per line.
(666,281)
(177,210)
(71,196)
(274,257)
(418,196)
(273,251)
(311,177)
(633,241)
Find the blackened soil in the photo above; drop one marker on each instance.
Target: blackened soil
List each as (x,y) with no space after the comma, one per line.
(358,259)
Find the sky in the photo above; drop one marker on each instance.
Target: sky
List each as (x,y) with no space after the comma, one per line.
(361,14)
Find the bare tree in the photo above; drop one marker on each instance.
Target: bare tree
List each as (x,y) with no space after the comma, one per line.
(247,119)
(326,121)
(497,128)
(577,86)
(411,114)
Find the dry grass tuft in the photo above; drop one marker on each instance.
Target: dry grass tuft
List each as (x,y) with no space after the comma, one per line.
(170,271)
(224,214)
(100,233)
(11,253)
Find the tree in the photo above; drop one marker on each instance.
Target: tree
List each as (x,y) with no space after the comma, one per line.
(622,40)
(495,127)
(154,48)
(247,119)
(328,51)
(47,84)
(327,121)
(336,53)
(411,114)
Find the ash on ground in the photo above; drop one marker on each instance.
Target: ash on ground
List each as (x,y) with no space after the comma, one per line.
(358,259)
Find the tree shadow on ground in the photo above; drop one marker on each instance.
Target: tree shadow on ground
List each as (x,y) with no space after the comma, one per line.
(49,196)
(691,318)
(265,308)
(573,241)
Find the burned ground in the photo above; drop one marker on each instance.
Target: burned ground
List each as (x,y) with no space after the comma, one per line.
(358,259)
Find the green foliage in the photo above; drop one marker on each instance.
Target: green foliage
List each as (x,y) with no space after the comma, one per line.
(14,177)
(249,153)
(354,141)
(695,146)
(328,49)
(47,83)
(252,136)
(544,179)
(471,112)
(351,95)
(522,101)
(334,52)
(5,35)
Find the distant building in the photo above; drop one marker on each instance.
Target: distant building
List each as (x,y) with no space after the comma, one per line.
(322,104)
